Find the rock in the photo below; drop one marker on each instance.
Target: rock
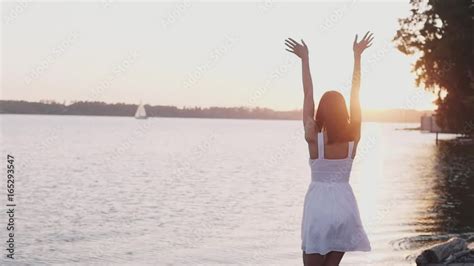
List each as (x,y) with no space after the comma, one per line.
(456,256)
(470,239)
(440,252)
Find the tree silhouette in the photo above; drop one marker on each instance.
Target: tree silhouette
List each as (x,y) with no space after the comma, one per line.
(440,33)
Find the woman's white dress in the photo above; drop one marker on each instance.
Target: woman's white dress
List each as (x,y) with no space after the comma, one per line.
(331,220)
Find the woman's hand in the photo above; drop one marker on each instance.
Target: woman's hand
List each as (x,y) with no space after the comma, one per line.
(356,117)
(301,50)
(366,42)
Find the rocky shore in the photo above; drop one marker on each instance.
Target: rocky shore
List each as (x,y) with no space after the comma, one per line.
(455,251)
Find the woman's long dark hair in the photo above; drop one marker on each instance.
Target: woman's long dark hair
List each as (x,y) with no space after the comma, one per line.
(332,116)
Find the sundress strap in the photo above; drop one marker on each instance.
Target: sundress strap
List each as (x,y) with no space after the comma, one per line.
(320,146)
(351,146)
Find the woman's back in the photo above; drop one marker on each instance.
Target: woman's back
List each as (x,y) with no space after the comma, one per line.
(336,151)
(324,169)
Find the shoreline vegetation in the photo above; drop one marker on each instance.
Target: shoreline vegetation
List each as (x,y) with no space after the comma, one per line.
(95,108)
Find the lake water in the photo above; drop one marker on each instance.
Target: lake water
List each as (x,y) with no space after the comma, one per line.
(117,190)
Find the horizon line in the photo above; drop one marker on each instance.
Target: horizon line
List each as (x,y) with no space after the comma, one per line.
(69,102)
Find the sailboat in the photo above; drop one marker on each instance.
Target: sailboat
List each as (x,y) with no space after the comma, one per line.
(140,113)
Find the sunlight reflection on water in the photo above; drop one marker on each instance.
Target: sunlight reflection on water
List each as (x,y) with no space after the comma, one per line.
(203,191)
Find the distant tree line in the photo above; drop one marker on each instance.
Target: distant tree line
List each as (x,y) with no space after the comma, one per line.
(123,109)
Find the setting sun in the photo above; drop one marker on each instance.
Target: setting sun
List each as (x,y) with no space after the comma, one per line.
(269,132)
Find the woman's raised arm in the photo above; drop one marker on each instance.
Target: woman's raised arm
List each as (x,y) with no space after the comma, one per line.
(301,50)
(356,117)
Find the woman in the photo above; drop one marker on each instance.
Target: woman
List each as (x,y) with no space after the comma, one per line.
(331,222)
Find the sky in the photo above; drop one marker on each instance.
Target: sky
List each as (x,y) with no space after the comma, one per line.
(204,54)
